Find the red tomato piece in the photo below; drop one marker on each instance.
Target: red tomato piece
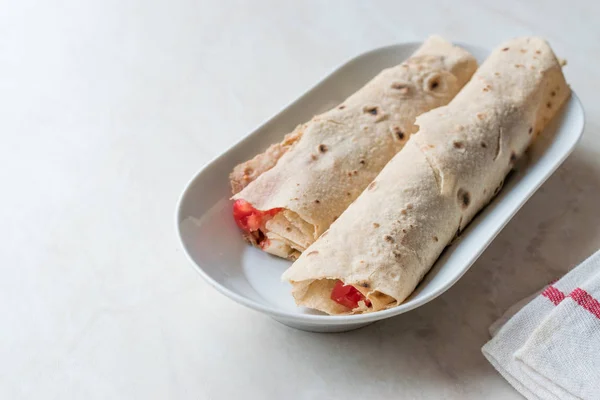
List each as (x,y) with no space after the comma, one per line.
(347,295)
(249,218)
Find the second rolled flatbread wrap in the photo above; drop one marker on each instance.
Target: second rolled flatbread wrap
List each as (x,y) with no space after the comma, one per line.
(376,253)
(290,194)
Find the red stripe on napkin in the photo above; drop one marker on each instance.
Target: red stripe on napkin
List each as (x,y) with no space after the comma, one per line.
(585,300)
(553,294)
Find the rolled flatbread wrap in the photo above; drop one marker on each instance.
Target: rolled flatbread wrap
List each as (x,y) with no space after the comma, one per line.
(379,249)
(290,194)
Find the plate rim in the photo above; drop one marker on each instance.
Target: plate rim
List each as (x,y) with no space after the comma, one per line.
(316,319)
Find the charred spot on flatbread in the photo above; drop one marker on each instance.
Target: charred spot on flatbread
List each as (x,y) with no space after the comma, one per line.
(373,110)
(322,148)
(364,284)
(397,132)
(458,144)
(434,83)
(389,239)
(464,198)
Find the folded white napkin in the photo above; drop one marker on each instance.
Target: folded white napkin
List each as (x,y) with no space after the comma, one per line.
(548,345)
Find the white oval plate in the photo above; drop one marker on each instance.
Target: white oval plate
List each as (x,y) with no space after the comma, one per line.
(253,278)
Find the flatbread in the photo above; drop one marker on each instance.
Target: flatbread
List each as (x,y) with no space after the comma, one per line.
(388,239)
(326,163)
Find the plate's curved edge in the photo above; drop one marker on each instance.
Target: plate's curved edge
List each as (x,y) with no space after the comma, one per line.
(179,218)
(360,318)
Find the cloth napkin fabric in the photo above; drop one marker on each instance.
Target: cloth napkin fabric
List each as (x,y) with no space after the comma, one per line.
(548,345)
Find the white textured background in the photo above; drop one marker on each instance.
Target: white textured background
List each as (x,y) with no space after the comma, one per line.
(107,108)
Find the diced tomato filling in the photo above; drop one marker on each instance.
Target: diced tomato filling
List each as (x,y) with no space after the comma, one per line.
(249,218)
(347,295)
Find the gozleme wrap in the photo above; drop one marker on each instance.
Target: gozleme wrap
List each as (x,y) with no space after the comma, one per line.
(308,180)
(388,239)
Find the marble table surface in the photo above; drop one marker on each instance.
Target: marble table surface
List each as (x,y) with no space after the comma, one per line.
(108,108)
